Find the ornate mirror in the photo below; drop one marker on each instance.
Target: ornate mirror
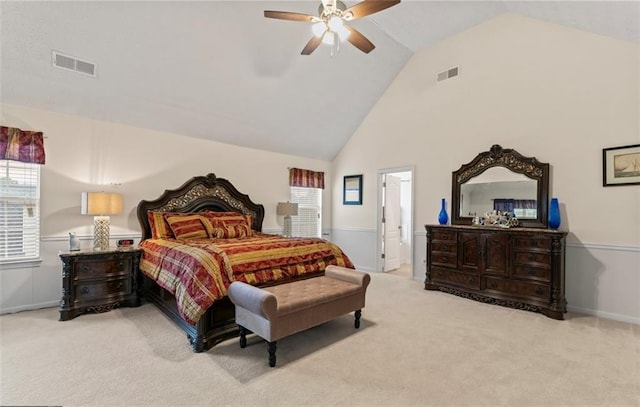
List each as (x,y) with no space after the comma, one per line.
(504,180)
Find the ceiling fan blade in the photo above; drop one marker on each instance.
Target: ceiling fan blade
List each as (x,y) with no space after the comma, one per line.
(368,7)
(287,15)
(359,41)
(311,46)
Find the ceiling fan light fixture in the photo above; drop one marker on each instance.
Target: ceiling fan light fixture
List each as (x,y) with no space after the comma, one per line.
(329,26)
(319,29)
(328,38)
(335,23)
(343,33)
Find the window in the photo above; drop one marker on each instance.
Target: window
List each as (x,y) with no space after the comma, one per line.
(19,211)
(308,222)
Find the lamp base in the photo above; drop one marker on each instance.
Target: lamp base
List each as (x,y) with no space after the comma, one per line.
(287,226)
(101,233)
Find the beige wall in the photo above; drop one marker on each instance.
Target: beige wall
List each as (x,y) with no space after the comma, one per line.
(556,93)
(89,155)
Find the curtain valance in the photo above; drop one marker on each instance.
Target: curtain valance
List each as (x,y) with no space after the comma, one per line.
(21,145)
(306,178)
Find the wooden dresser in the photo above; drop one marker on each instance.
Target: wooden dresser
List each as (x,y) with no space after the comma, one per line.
(517,267)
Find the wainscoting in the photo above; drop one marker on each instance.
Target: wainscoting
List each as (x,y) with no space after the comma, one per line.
(601,280)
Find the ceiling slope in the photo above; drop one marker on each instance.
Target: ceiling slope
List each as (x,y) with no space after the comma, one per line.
(219,70)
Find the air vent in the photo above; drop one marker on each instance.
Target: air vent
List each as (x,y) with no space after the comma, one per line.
(73,64)
(449,73)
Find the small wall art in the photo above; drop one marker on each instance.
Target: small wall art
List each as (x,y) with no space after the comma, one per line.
(621,165)
(352,190)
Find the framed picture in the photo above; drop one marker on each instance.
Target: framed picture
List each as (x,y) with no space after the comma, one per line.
(621,165)
(352,191)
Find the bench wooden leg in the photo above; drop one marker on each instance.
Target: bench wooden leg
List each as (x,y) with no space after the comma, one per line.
(272,353)
(243,336)
(357,322)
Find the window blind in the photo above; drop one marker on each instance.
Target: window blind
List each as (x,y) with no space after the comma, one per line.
(308,222)
(19,211)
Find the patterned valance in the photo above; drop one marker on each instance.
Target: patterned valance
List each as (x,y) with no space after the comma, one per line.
(306,178)
(21,145)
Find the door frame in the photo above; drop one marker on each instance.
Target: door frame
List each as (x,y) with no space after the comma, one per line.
(381,173)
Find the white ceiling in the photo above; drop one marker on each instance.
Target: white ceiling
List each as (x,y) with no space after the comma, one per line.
(219,70)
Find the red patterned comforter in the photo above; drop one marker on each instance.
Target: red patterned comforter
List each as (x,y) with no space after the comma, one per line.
(198,271)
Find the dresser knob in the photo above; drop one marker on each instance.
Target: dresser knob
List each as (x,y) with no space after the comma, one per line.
(121,265)
(443,259)
(539,291)
(493,284)
(120,285)
(472,280)
(86,267)
(531,271)
(84,290)
(533,242)
(532,256)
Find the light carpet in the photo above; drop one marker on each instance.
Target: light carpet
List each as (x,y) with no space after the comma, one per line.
(414,347)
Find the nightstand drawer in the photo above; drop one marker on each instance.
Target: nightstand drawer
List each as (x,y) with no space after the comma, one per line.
(91,291)
(98,268)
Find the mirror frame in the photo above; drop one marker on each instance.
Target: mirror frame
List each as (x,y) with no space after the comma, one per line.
(512,160)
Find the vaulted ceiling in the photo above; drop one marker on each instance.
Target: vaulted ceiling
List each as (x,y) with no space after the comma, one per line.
(219,70)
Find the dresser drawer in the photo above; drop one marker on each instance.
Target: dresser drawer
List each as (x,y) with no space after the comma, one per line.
(532,242)
(98,268)
(456,278)
(442,259)
(90,291)
(444,246)
(519,288)
(531,258)
(446,235)
(533,273)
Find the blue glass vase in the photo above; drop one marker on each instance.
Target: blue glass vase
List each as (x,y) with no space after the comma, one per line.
(443,218)
(554,214)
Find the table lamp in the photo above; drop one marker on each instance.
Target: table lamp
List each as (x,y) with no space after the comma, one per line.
(101,205)
(287,209)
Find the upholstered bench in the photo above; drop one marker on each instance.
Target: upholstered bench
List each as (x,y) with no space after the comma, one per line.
(281,310)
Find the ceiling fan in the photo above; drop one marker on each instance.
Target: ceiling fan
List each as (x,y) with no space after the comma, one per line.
(329,26)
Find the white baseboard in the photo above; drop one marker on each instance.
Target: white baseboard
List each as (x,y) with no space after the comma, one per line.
(29,307)
(602,314)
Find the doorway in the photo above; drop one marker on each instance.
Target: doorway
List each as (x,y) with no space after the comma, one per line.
(395,221)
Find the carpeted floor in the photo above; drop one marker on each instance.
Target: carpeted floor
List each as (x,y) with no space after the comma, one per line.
(415,347)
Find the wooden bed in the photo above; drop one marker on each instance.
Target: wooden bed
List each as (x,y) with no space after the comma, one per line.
(198,194)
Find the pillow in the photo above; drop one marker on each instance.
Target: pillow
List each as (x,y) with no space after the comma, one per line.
(160,229)
(225,225)
(187,227)
(229,231)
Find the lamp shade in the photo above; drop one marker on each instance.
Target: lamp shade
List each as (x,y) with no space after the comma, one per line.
(101,203)
(287,209)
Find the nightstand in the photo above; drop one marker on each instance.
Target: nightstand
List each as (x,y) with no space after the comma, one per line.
(98,281)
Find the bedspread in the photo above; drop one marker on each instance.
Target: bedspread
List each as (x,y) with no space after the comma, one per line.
(199,271)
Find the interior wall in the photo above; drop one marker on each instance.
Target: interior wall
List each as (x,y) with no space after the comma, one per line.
(90,155)
(556,93)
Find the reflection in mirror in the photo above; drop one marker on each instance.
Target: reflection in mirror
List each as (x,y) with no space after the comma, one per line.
(499,189)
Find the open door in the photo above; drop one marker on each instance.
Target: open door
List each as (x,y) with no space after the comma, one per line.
(395,225)
(391,223)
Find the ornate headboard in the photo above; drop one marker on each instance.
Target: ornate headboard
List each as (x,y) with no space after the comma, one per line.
(199,194)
